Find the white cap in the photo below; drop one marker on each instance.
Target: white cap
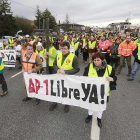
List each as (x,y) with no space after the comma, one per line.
(39,44)
(27,36)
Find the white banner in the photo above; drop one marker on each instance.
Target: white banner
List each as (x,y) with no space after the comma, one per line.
(86,92)
(9,57)
(43,60)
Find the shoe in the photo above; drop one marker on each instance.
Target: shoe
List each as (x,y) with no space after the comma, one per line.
(66,108)
(88,119)
(85,62)
(37,101)
(9,68)
(118,73)
(130,79)
(20,67)
(128,74)
(4,93)
(26,99)
(99,122)
(53,106)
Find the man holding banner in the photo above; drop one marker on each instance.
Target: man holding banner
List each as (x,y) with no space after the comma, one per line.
(99,68)
(2,80)
(31,64)
(65,63)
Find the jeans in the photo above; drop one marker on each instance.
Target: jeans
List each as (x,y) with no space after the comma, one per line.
(136,67)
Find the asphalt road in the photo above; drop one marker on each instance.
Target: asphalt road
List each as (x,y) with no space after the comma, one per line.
(27,121)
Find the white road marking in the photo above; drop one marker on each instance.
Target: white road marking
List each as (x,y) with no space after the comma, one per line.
(95,130)
(16,74)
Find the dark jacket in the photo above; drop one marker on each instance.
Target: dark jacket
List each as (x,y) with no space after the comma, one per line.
(114,50)
(75,65)
(101,72)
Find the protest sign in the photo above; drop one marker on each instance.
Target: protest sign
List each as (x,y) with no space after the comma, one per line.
(86,92)
(9,57)
(43,60)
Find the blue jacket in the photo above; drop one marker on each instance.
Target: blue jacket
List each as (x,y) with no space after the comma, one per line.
(1,71)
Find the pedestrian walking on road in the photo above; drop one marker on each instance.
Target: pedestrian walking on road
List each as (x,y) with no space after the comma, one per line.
(2,79)
(99,68)
(65,63)
(31,64)
(126,49)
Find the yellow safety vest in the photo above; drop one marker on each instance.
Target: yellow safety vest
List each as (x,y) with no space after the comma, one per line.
(51,60)
(84,44)
(65,37)
(138,44)
(92,45)
(75,46)
(11,42)
(67,65)
(7,47)
(41,52)
(2,66)
(93,73)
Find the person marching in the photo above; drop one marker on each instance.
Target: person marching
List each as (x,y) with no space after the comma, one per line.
(91,47)
(11,42)
(85,50)
(31,64)
(65,63)
(136,54)
(41,51)
(51,55)
(125,50)
(5,45)
(114,54)
(99,68)
(75,45)
(2,79)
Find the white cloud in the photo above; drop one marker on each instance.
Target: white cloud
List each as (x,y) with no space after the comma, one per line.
(90,12)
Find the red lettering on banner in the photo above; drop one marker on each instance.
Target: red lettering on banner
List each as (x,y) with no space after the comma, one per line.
(37,83)
(31,86)
(46,82)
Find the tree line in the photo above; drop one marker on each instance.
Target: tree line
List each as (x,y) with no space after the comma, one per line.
(10,24)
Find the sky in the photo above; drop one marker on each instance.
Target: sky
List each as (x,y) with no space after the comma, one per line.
(86,12)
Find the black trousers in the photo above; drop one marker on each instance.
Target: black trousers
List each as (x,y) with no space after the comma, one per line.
(3,83)
(114,61)
(85,55)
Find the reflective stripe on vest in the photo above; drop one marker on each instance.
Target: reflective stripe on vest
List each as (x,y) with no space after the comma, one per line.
(138,51)
(91,45)
(67,64)
(84,44)
(93,73)
(2,66)
(75,46)
(29,65)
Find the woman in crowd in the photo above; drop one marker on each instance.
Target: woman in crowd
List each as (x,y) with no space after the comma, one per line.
(99,68)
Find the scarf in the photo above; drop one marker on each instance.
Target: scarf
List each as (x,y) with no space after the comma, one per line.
(103,66)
